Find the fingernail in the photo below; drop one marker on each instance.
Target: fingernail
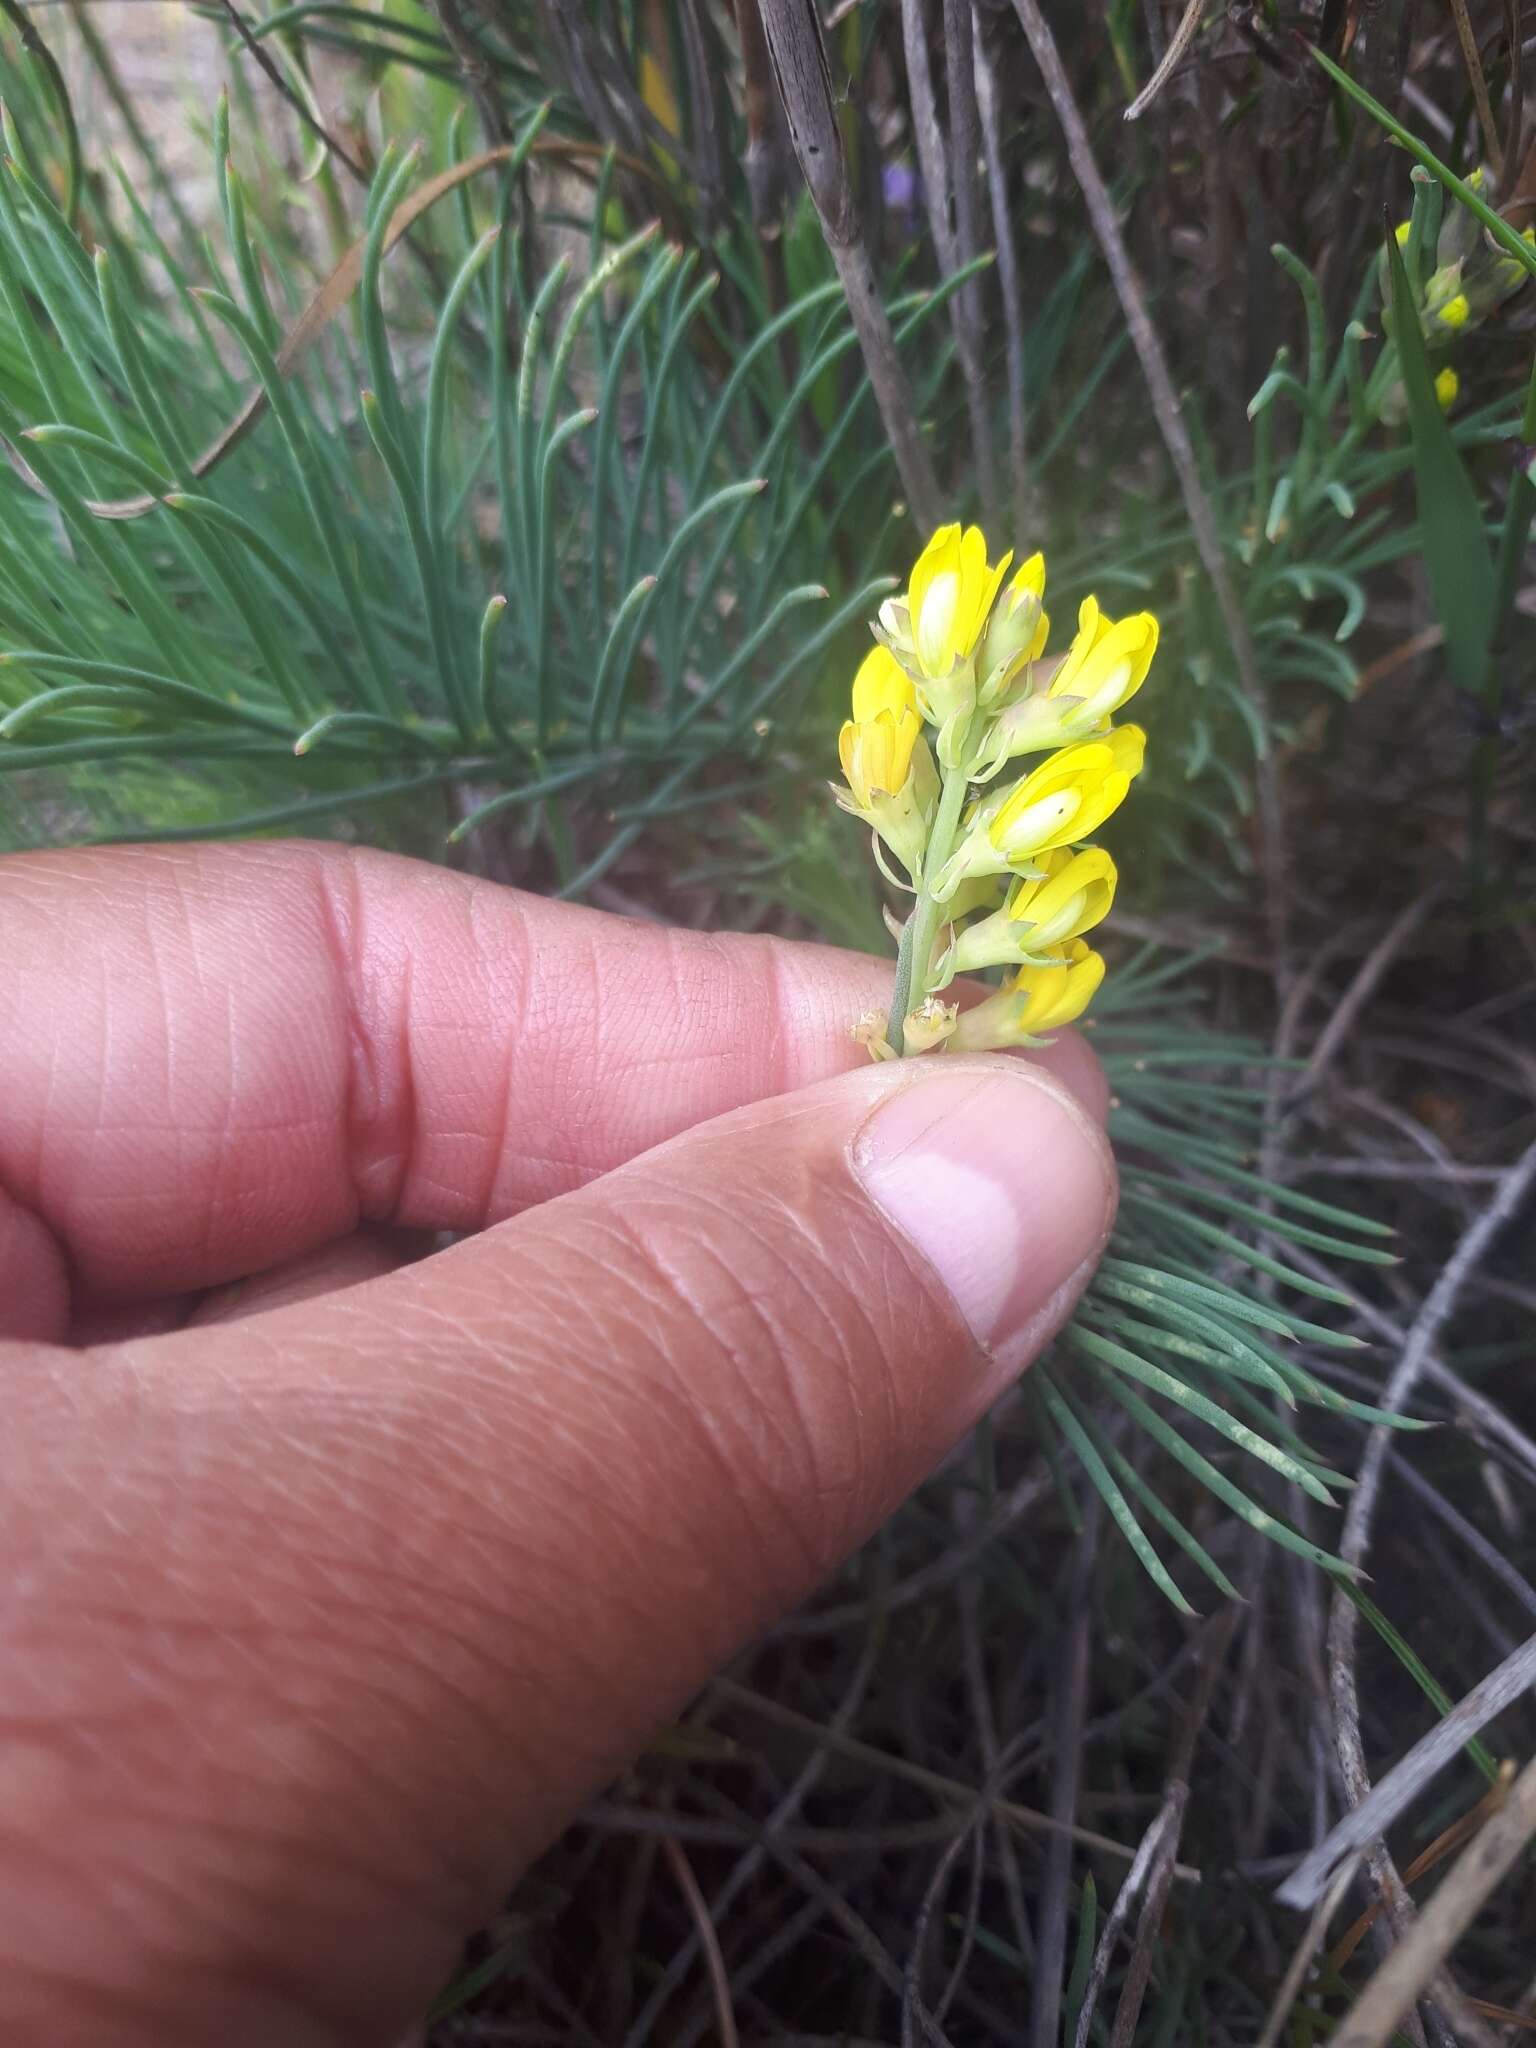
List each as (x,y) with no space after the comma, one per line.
(1004,1184)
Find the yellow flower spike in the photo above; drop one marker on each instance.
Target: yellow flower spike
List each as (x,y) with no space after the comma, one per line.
(949,597)
(1447,385)
(1036,1000)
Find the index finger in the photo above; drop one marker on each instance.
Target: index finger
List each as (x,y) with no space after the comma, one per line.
(217,1057)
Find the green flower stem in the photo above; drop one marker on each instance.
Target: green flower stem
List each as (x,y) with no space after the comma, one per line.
(914,962)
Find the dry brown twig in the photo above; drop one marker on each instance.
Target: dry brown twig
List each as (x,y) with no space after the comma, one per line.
(1170,421)
(1172,57)
(709,1941)
(1354,1543)
(1070,1712)
(964,159)
(1388,1798)
(1138,1973)
(799,55)
(1025,1820)
(1414,1964)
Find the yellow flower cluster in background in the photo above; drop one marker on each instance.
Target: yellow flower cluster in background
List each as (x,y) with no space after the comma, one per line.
(957,689)
(1470,279)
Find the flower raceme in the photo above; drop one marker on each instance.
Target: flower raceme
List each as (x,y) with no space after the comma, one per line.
(1000,878)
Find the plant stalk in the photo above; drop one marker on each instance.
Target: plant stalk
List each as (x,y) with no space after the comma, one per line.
(914,962)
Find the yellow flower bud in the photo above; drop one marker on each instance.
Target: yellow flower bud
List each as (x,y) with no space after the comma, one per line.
(875,745)
(892,782)
(1447,384)
(1017,632)
(882,684)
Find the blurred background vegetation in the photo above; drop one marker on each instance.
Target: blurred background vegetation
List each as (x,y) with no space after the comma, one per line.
(461,427)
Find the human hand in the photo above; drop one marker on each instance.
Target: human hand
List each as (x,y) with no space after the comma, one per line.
(335,1583)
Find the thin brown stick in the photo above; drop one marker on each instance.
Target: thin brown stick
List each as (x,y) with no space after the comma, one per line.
(795,44)
(1513,136)
(967,307)
(1411,1967)
(763,163)
(1010,288)
(1138,1973)
(927,135)
(1408,1777)
(708,158)
(1071,1709)
(709,1941)
(474,68)
(1364,984)
(1170,420)
(1024,1819)
(1306,1949)
(1136,1877)
(1355,1538)
(1172,57)
(1474,63)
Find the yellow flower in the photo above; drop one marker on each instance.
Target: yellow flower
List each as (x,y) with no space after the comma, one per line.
(892,782)
(1071,894)
(1401,233)
(1064,800)
(875,745)
(1447,384)
(1455,313)
(1068,796)
(1107,663)
(1037,999)
(1105,666)
(949,598)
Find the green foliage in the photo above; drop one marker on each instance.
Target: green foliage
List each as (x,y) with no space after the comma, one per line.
(653,595)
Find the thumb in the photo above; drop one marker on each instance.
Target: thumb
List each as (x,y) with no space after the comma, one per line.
(421,1564)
